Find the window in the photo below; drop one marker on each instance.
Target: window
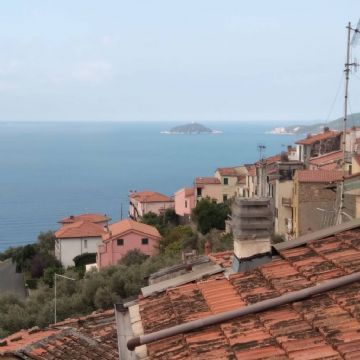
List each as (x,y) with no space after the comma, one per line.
(226,181)
(225,198)
(85,244)
(144,241)
(186,203)
(198,191)
(120,242)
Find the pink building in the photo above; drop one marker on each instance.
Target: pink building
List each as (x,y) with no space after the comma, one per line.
(142,202)
(184,201)
(123,236)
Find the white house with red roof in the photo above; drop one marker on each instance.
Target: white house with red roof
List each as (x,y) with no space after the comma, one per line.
(126,235)
(78,237)
(142,202)
(101,219)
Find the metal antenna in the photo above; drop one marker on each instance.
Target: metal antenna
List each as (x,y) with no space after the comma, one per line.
(261,149)
(348,66)
(356,36)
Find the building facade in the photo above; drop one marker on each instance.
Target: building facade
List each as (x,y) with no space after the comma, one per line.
(123,236)
(143,202)
(184,202)
(314,200)
(76,239)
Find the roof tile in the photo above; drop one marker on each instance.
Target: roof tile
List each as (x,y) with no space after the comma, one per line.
(318,137)
(314,328)
(80,229)
(321,176)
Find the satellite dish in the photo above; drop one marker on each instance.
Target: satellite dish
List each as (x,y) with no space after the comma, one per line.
(356,36)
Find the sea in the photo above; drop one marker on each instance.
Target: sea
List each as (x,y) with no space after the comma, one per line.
(50,170)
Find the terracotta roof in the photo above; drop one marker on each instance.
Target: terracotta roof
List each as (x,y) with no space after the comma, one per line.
(89,337)
(222,258)
(327,158)
(80,229)
(95,218)
(325,326)
(318,137)
(251,169)
(126,225)
(272,159)
(149,197)
(330,166)
(227,171)
(321,176)
(189,191)
(206,180)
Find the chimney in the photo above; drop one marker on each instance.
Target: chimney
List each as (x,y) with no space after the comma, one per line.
(252,224)
(289,149)
(284,156)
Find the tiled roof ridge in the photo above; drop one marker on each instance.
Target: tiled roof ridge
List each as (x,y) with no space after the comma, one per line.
(93,316)
(67,331)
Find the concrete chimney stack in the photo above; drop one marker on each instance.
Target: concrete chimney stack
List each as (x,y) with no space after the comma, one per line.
(252,226)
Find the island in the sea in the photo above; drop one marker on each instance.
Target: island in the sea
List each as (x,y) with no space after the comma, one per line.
(191,129)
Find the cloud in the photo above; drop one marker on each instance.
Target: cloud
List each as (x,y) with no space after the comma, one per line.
(8,68)
(93,71)
(106,40)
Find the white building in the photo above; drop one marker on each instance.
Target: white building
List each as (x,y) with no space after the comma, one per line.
(76,239)
(143,202)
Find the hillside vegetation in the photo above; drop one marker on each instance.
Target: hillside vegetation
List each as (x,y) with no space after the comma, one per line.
(352,120)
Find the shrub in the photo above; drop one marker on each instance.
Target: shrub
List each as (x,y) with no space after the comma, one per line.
(210,215)
(85,259)
(133,257)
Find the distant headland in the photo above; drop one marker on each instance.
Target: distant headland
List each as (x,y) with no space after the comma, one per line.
(190,129)
(352,120)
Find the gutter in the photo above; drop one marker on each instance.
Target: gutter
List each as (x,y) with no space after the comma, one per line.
(250,309)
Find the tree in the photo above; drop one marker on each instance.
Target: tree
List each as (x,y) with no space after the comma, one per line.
(46,242)
(177,239)
(150,218)
(133,257)
(23,256)
(210,215)
(218,240)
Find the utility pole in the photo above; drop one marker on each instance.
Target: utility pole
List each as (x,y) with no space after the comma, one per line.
(64,277)
(348,65)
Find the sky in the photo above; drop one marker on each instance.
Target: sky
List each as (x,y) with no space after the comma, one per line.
(161,60)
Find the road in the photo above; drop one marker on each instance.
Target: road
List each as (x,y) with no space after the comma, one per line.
(10,281)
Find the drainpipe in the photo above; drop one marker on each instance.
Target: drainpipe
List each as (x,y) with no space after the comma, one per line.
(250,309)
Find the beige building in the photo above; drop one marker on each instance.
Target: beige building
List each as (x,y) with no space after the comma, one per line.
(317,145)
(283,208)
(314,200)
(232,181)
(250,181)
(208,187)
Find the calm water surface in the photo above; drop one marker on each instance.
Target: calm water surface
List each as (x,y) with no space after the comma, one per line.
(52,170)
